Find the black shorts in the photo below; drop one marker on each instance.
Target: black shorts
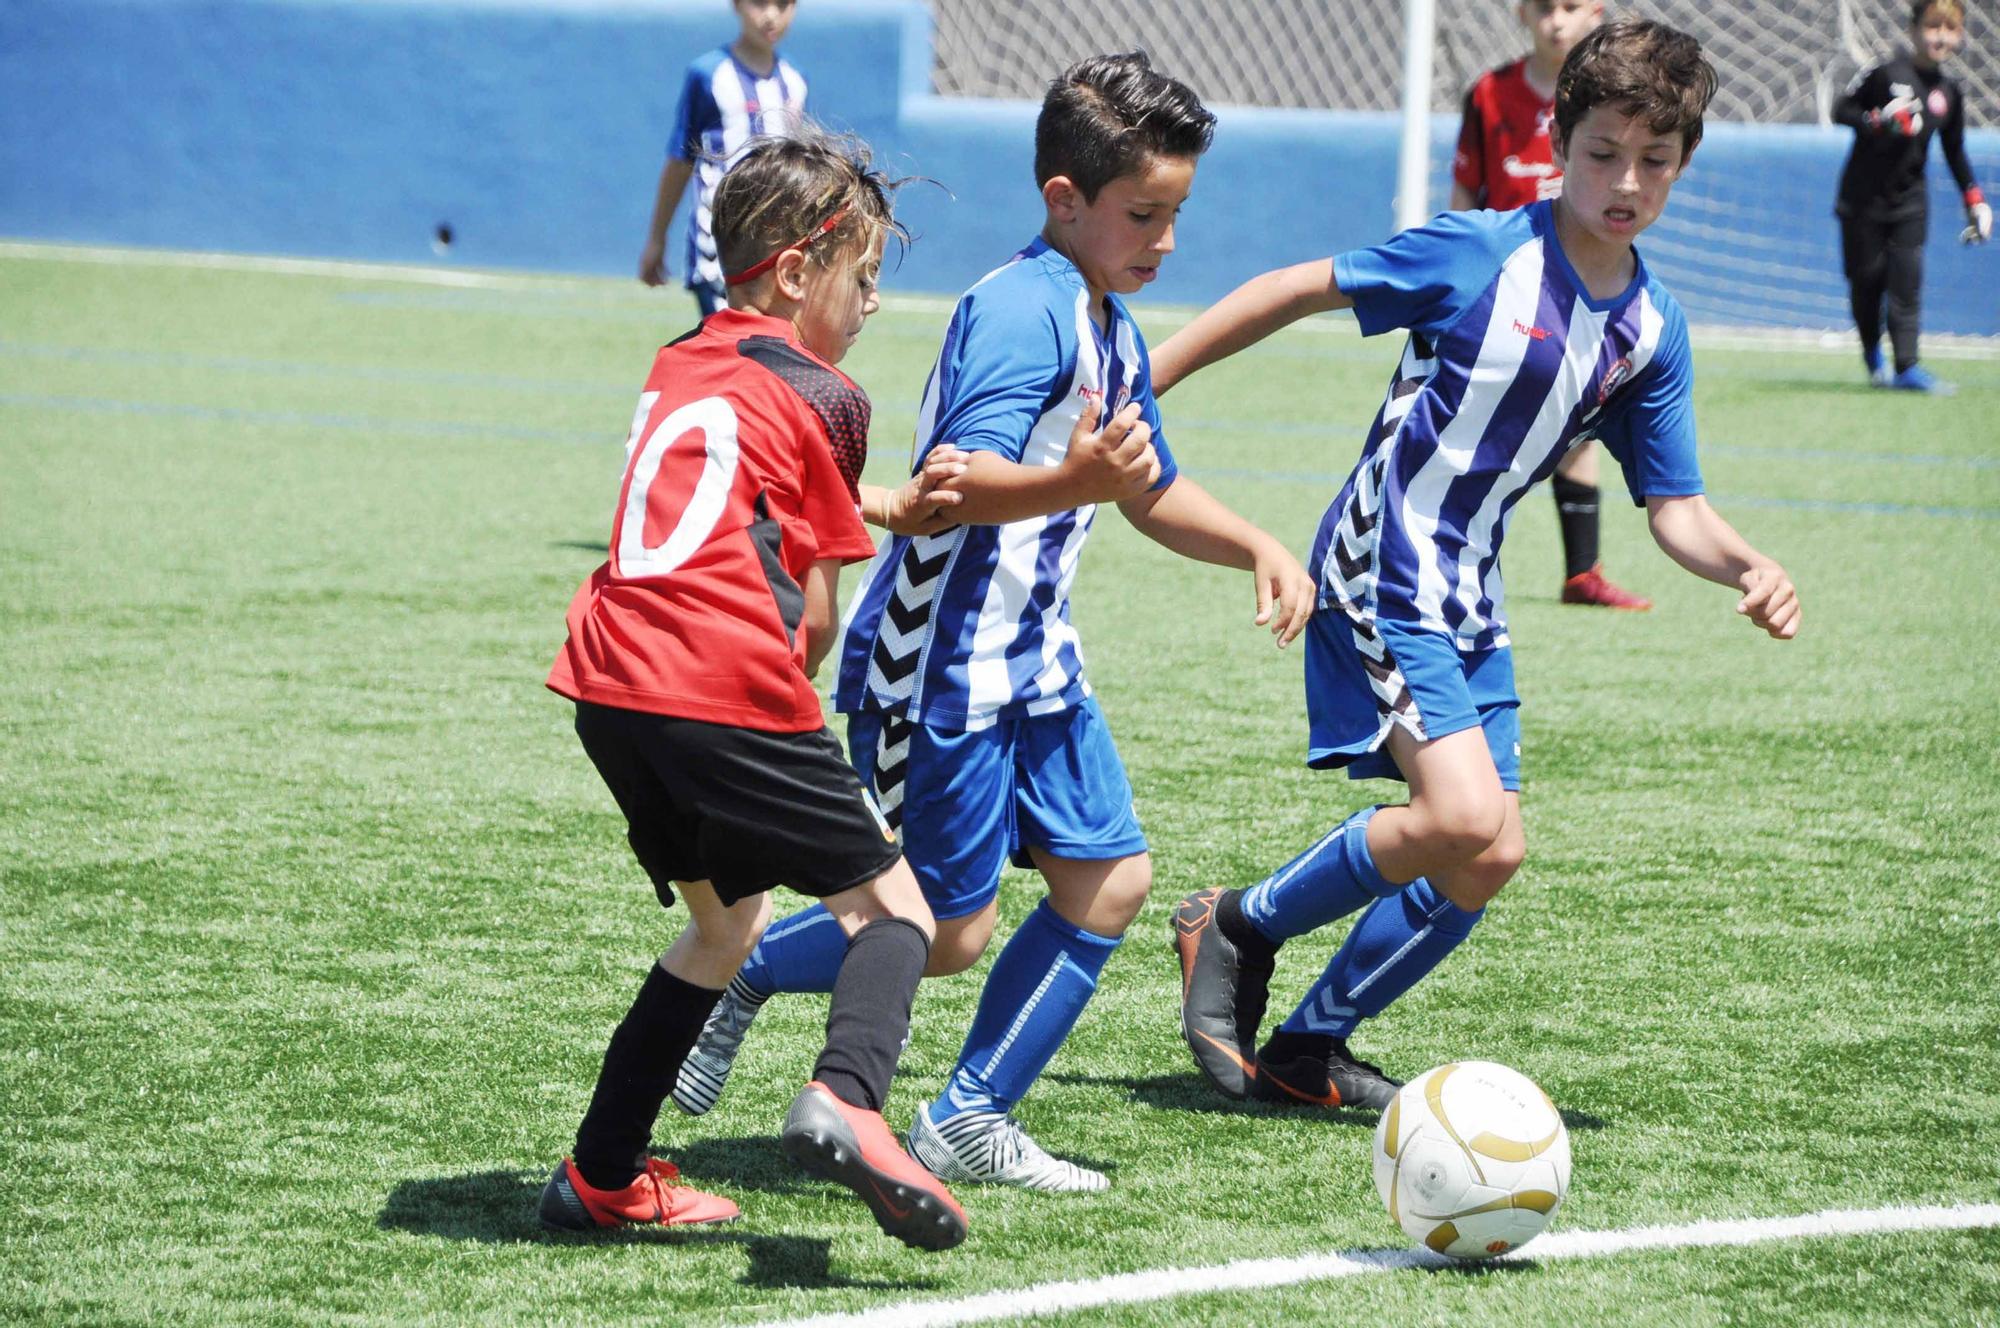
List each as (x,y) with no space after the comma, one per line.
(740,808)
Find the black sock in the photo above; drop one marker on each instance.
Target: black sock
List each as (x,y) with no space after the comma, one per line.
(640,1067)
(1576,511)
(1255,946)
(870,1017)
(1285,1046)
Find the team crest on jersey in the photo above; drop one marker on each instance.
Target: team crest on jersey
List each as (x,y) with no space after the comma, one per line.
(1938,103)
(1614,378)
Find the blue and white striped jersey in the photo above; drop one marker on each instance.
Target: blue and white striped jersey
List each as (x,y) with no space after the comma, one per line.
(960,629)
(723,105)
(1509,363)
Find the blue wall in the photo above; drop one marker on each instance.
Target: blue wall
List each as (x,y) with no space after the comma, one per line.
(351,128)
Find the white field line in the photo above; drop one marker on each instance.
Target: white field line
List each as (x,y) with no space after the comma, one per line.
(1258,1274)
(1801,340)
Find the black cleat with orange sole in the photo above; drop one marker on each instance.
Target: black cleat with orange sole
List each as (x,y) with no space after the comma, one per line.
(1339,1080)
(1223,993)
(854,1147)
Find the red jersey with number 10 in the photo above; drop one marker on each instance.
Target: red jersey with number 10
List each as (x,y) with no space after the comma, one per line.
(1504,156)
(740,473)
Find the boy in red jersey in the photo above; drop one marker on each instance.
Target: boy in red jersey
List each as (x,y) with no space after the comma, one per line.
(690,658)
(1503,161)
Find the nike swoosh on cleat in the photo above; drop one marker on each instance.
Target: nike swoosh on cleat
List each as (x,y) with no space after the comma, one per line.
(1330,1099)
(898,1213)
(1248,1067)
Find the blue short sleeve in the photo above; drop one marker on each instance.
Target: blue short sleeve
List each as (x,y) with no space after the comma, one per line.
(1653,438)
(1002,363)
(1425,277)
(694,113)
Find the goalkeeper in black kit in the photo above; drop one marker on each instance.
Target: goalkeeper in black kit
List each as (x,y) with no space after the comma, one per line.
(1883,208)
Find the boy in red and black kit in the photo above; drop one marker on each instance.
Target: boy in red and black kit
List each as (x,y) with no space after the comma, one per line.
(1504,162)
(690,658)
(1884,206)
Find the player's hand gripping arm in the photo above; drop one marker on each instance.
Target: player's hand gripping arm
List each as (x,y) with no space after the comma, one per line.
(673,183)
(1694,535)
(1189,520)
(1106,465)
(822,615)
(1244,317)
(918,506)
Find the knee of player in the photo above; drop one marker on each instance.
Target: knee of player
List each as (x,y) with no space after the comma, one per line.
(735,930)
(954,952)
(1467,827)
(1126,889)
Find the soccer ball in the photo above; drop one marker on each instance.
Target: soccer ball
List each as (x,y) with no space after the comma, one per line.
(1472,1159)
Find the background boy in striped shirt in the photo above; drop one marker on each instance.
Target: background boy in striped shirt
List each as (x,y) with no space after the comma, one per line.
(1528,331)
(729,96)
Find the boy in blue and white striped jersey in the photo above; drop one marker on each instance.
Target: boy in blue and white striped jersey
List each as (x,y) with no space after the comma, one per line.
(1530,331)
(729,95)
(969,711)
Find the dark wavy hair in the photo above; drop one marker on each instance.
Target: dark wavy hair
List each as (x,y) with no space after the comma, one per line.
(1643,69)
(781,189)
(1109,115)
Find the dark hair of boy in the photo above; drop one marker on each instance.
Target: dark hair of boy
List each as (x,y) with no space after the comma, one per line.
(1921,8)
(783,189)
(1644,69)
(1108,115)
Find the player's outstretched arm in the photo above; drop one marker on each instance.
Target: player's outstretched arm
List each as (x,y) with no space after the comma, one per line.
(1244,317)
(1102,465)
(1192,522)
(1694,535)
(918,506)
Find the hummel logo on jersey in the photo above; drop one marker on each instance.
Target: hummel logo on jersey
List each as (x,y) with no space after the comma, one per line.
(1538,333)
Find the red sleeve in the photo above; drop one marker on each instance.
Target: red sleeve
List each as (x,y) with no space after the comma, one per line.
(828,505)
(1468,165)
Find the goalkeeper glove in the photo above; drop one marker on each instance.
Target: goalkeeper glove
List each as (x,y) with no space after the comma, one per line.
(1978,218)
(1903,117)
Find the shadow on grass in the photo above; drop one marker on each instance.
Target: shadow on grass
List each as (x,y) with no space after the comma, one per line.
(1191,1092)
(500,1207)
(584,546)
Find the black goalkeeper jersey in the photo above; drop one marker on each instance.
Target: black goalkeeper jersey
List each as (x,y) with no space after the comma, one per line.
(1884,178)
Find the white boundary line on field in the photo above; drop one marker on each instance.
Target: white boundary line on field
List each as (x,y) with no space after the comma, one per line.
(1258,1274)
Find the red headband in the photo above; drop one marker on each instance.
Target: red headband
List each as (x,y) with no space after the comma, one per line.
(756,270)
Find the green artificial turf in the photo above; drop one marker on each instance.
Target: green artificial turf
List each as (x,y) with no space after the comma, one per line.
(314,918)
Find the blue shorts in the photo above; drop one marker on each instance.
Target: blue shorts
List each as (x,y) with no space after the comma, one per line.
(1362,679)
(969,803)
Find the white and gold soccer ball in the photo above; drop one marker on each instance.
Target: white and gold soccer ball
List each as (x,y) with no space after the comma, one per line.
(1472,1159)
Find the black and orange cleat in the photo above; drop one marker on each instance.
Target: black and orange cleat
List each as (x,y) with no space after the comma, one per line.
(1336,1080)
(1223,993)
(656,1198)
(854,1147)
(1592,587)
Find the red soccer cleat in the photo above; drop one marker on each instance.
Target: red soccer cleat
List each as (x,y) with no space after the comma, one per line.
(854,1147)
(1590,587)
(656,1198)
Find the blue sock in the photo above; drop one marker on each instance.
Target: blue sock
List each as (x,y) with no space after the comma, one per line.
(1038,987)
(800,953)
(1327,881)
(1397,941)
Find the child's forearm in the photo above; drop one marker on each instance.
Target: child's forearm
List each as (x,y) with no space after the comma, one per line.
(822,611)
(995,491)
(1694,535)
(1192,522)
(1245,317)
(673,183)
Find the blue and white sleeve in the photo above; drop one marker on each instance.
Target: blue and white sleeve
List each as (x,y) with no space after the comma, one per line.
(1002,364)
(1654,437)
(1424,277)
(692,114)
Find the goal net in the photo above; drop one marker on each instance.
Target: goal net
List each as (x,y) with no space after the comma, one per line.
(1737,249)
